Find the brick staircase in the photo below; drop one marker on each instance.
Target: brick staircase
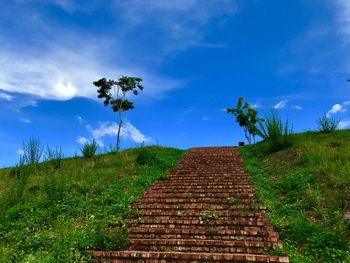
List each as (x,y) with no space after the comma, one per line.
(205,211)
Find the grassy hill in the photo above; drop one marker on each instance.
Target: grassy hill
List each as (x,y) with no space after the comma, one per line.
(53,213)
(306,188)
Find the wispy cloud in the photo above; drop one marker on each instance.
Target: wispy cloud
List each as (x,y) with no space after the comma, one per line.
(281,105)
(80,119)
(296,107)
(6,96)
(343,16)
(61,63)
(182,23)
(344,124)
(25,120)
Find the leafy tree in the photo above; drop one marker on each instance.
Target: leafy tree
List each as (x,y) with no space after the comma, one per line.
(247,118)
(114,93)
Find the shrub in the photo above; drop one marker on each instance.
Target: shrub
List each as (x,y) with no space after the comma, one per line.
(327,124)
(146,157)
(89,149)
(54,156)
(32,151)
(330,247)
(278,135)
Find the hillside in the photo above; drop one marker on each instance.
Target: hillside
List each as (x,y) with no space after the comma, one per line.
(53,214)
(307,191)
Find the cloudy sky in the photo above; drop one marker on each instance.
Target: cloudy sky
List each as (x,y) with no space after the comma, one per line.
(195,57)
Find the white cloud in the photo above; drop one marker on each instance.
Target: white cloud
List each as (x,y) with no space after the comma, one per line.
(83,140)
(127,132)
(25,120)
(344,124)
(281,105)
(6,96)
(80,119)
(20,152)
(256,105)
(61,63)
(336,108)
(343,15)
(296,107)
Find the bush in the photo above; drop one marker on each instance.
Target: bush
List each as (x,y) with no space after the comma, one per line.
(330,247)
(327,124)
(146,157)
(32,151)
(89,149)
(275,133)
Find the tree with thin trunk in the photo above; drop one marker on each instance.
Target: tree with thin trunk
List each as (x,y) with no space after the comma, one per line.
(114,93)
(247,118)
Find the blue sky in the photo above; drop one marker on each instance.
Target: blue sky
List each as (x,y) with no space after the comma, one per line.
(195,57)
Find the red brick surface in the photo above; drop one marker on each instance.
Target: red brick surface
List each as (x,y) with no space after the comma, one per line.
(208,182)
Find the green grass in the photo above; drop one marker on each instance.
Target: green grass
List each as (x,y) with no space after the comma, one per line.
(307,191)
(55,215)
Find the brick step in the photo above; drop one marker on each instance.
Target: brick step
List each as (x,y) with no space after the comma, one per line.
(207,225)
(224,188)
(210,170)
(200,234)
(191,212)
(200,237)
(244,203)
(201,225)
(210,230)
(195,220)
(204,180)
(198,195)
(191,245)
(205,200)
(243,221)
(181,257)
(230,176)
(170,183)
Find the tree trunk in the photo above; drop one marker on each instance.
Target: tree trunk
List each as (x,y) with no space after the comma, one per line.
(119,128)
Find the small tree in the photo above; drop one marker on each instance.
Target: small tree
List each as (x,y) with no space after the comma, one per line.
(247,118)
(114,93)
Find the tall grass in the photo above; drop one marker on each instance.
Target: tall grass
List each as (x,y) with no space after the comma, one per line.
(89,149)
(327,124)
(54,156)
(277,134)
(32,150)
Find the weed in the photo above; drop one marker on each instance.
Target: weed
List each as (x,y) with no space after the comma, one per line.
(207,215)
(181,213)
(231,200)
